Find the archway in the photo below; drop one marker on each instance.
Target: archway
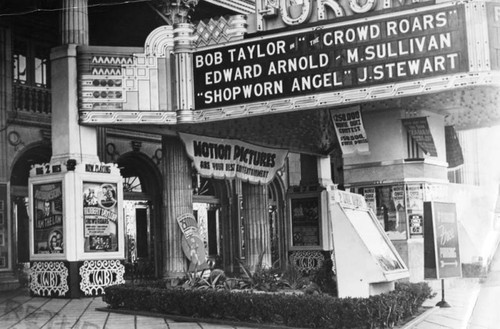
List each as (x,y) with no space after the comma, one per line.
(142,213)
(37,153)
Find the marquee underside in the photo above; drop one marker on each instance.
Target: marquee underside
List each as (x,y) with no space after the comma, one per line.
(312,131)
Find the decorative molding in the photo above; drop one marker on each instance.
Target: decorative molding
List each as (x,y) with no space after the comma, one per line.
(136,145)
(49,278)
(307,260)
(95,275)
(240,6)
(324,100)
(128,117)
(222,30)
(158,156)
(15,140)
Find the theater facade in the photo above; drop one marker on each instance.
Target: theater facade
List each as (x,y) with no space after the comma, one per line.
(286,132)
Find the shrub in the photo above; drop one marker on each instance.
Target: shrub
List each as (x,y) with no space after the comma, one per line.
(311,311)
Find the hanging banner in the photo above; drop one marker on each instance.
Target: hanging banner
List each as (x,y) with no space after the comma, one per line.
(418,128)
(350,131)
(192,244)
(228,159)
(454,155)
(441,247)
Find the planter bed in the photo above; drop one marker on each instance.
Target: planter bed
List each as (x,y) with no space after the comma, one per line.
(291,310)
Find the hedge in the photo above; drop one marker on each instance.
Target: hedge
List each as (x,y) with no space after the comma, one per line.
(294,310)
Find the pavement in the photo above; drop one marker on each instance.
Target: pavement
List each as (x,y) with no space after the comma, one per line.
(20,310)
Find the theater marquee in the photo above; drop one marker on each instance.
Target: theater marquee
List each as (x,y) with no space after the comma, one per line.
(409,45)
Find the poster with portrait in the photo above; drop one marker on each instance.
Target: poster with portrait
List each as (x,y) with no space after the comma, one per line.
(100,217)
(48,218)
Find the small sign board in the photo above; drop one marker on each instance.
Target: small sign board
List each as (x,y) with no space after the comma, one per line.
(416,225)
(441,242)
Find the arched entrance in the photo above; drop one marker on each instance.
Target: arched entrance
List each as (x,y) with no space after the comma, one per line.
(142,199)
(33,154)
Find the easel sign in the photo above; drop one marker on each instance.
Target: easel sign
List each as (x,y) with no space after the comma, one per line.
(441,248)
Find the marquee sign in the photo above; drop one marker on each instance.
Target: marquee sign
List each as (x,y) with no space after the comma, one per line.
(409,45)
(227,158)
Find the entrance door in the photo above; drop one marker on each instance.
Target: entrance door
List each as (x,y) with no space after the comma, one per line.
(139,250)
(20,213)
(207,216)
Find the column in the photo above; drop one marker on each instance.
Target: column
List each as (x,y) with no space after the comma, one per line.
(69,139)
(324,165)
(256,225)
(183,52)
(74,22)
(177,200)
(5,99)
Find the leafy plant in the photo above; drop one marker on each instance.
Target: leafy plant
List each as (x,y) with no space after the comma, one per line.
(262,278)
(324,278)
(293,278)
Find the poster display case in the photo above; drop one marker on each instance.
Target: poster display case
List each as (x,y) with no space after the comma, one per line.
(48,226)
(308,227)
(101,233)
(366,260)
(77,240)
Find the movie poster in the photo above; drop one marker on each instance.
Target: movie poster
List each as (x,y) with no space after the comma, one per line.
(100,217)
(48,214)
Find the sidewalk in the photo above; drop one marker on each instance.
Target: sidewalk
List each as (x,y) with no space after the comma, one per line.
(460,294)
(19,310)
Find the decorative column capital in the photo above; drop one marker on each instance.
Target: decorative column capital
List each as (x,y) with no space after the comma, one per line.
(177,11)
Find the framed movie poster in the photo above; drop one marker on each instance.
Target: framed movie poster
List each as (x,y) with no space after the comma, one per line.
(48,218)
(100,217)
(305,215)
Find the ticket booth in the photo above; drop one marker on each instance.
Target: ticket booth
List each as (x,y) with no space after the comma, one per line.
(76,229)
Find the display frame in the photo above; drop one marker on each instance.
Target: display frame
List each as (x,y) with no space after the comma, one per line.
(296,199)
(100,179)
(381,235)
(46,181)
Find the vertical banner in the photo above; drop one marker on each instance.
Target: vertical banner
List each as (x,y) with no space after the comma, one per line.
(350,131)
(48,223)
(100,217)
(192,244)
(441,245)
(418,128)
(454,155)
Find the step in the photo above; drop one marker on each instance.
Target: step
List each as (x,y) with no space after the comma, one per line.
(8,281)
